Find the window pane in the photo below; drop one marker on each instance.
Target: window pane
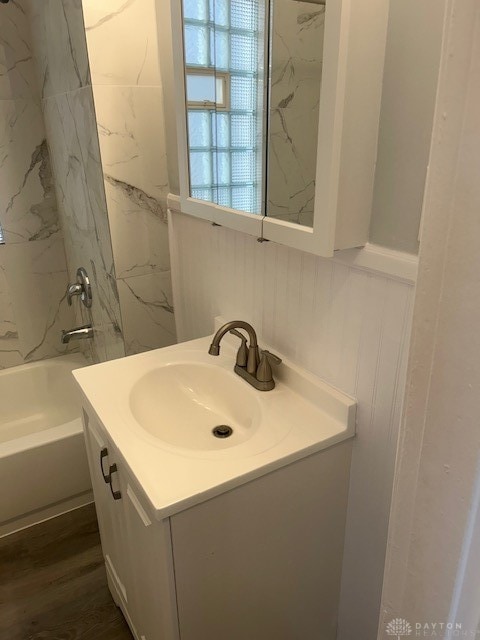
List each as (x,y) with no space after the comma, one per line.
(243,166)
(200,169)
(243,130)
(221,14)
(244,14)
(202,194)
(224,197)
(223,168)
(243,52)
(196,9)
(196,45)
(244,198)
(200,88)
(199,131)
(222,130)
(243,93)
(222,50)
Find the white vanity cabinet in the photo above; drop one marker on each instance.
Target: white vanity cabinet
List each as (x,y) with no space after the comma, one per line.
(110,512)
(261,561)
(136,548)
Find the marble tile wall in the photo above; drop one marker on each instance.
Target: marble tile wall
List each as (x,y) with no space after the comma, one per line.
(297,43)
(127,90)
(67,98)
(33,271)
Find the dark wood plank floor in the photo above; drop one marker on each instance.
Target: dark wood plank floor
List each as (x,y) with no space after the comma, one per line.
(53,584)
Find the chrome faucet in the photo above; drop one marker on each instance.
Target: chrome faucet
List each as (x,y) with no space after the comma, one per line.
(80,333)
(252,365)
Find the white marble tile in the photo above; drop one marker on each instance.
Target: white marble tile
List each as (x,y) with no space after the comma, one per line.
(28,209)
(17,71)
(297,53)
(122,42)
(296,78)
(132,137)
(292,164)
(139,230)
(37,280)
(71,126)
(135,172)
(147,311)
(10,355)
(58,36)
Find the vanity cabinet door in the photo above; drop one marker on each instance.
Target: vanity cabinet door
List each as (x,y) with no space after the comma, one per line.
(152,607)
(109,503)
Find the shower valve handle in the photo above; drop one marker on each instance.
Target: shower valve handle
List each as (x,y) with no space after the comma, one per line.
(82,288)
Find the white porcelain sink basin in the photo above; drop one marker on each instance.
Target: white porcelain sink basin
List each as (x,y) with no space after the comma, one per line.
(182,404)
(159,409)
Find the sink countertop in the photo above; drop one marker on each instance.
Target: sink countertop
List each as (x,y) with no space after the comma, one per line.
(176,478)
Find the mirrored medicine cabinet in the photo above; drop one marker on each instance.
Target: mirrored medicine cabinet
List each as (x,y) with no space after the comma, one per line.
(277,109)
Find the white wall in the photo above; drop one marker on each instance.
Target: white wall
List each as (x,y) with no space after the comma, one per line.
(347,325)
(435,483)
(412,60)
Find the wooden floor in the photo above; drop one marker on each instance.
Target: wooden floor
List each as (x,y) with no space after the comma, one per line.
(53,584)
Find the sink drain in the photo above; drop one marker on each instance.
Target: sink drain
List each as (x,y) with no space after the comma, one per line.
(222,431)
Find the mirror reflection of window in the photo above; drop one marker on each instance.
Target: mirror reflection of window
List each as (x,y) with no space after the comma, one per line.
(224,54)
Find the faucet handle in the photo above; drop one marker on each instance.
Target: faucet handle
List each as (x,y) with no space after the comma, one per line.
(81,287)
(242,353)
(271,357)
(264,371)
(73,290)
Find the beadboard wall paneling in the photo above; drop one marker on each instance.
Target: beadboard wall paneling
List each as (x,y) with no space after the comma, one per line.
(348,326)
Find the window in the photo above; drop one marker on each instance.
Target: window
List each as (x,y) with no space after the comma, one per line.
(207,89)
(225,100)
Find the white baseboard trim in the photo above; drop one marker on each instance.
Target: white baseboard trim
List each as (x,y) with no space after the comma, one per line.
(48,513)
(389,262)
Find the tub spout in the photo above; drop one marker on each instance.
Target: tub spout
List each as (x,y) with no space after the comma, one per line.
(80,333)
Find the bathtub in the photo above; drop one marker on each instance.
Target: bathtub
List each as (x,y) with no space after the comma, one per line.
(43,463)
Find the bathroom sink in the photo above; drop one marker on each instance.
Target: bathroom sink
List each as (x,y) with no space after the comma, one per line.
(195,406)
(160,409)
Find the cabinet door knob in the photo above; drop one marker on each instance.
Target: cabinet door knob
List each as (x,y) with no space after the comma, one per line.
(104,454)
(117,495)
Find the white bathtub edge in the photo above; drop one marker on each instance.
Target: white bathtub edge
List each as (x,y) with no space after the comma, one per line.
(47,513)
(40,438)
